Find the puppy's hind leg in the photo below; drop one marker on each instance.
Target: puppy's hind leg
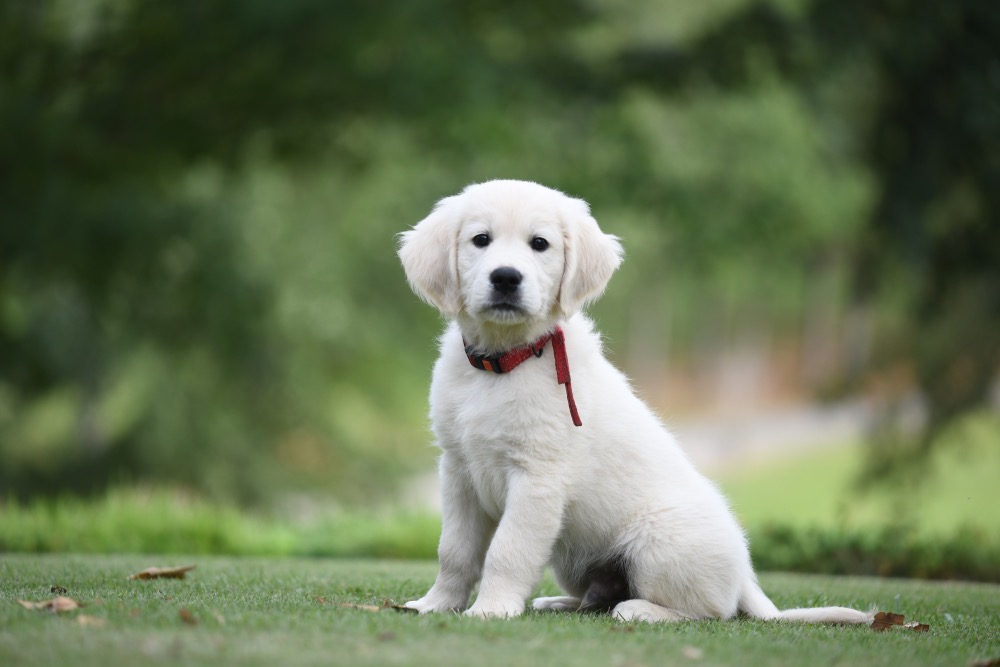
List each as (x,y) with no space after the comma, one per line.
(606,585)
(646,611)
(557,603)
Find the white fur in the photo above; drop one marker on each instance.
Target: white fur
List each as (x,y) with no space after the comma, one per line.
(522,487)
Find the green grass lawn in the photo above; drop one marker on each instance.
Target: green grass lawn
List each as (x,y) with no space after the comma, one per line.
(257,611)
(819,488)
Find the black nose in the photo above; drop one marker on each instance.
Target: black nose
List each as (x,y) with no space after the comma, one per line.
(505,279)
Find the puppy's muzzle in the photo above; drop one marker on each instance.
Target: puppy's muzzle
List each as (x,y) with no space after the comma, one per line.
(506,280)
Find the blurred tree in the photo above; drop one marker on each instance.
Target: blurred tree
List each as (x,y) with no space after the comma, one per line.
(175,289)
(917,83)
(113,272)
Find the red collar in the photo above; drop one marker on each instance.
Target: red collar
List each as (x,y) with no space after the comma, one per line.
(504,363)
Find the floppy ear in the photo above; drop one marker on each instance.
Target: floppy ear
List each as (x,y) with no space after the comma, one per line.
(591,257)
(429,256)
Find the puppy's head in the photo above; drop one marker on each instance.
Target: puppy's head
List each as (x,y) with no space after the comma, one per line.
(509,253)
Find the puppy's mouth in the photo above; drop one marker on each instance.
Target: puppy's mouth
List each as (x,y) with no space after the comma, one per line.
(505,309)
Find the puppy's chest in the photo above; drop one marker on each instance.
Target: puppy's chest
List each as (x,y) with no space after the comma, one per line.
(496,427)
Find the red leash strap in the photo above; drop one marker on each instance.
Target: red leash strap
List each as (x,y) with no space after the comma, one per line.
(562,372)
(507,362)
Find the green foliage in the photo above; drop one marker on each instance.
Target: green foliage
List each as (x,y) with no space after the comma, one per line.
(198,203)
(916,83)
(169,523)
(892,551)
(139,523)
(147,330)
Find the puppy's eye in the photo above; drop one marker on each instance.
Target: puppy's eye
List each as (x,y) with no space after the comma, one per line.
(481,240)
(539,244)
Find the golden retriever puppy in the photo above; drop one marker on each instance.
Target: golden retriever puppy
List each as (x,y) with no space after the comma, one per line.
(548,457)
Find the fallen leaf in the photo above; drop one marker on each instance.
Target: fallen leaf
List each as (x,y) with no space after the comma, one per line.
(404,609)
(386,604)
(58,590)
(163,572)
(187,617)
(362,607)
(57,604)
(692,652)
(60,604)
(885,620)
(90,621)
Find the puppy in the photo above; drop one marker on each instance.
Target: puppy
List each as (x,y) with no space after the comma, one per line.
(547,455)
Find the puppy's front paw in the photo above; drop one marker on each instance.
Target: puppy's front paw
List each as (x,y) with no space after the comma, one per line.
(496,609)
(433,603)
(631,611)
(419,605)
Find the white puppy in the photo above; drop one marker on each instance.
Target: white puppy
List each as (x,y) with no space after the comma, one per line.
(538,470)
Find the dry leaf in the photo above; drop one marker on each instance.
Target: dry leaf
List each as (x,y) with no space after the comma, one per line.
(187,616)
(163,572)
(405,610)
(57,604)
(28,604)
(692,652)
(362,607)
(91,621)
(387,604)
(60,604)
(917,626)
(885,620)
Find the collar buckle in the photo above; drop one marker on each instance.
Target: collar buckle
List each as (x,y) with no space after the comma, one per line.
(484,362)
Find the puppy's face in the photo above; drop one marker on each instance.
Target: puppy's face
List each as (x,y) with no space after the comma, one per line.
(510,258)
(509,253)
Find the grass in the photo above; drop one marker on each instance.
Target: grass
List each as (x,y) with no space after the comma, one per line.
(259,611)
(819,490)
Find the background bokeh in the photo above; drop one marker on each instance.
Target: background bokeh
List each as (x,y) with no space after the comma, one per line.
(199,201)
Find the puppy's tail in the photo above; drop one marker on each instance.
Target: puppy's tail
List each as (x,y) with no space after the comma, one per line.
(754,603)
